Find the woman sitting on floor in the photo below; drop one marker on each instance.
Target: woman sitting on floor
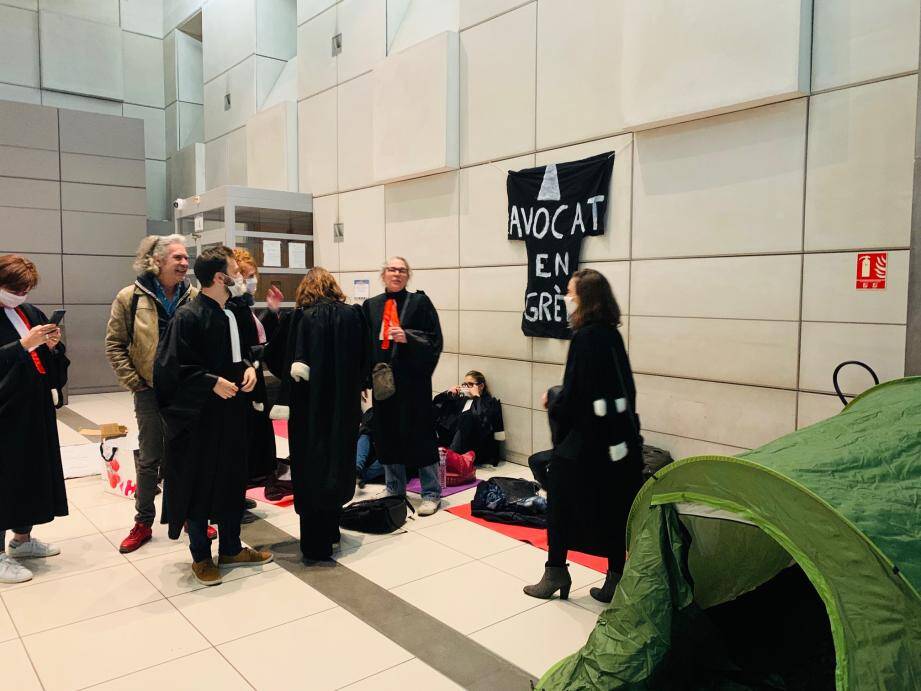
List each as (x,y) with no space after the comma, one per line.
(468,418)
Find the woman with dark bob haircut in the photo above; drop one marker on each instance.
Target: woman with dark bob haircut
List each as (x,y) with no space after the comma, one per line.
(596,467)
(33,372)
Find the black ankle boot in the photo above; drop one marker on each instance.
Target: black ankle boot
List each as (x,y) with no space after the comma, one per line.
(555,578)
(606,592)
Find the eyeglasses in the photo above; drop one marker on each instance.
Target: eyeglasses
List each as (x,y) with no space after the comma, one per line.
(396,270)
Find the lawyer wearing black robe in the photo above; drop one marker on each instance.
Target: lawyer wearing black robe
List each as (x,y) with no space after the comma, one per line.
(590,493)
(404,425)
(260,449)
(204,472)
(331,346)
(31,478)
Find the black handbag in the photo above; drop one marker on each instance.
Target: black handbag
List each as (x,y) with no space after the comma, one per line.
(379,516)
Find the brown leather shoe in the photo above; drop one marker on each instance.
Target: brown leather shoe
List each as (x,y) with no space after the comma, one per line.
(206,572)
(246,557)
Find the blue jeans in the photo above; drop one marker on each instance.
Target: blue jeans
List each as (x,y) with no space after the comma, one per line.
(228,536)
(428,476)
(366,472)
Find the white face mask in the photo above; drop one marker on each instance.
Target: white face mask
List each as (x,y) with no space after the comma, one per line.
(251,284)
(238,289)
(11,300)
(571,306)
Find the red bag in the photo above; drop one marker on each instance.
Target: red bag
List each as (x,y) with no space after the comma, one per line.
(460,468)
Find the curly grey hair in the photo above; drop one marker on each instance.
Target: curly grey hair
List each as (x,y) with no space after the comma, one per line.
(153,248)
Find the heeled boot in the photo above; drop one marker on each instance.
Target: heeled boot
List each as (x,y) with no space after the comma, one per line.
(606,592)
(554,578)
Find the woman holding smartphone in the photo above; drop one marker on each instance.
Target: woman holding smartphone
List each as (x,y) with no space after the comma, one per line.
(33,372)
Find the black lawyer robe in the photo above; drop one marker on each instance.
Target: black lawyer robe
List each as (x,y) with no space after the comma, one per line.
(31,477)
(260,449)
(403,427)
(589,493)
(204,471)
(331,339)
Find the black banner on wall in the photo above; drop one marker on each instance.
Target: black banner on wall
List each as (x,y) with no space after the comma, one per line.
(551,208)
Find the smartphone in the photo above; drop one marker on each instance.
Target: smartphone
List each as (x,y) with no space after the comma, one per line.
(57,316)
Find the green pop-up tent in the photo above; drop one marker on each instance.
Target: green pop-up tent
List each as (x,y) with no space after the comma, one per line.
(840,500)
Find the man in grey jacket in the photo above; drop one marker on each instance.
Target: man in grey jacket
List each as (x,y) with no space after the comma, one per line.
(140,314)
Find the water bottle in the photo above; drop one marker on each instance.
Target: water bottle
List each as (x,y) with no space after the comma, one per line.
(442,467)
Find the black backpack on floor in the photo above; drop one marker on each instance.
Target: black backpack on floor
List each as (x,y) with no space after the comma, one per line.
(510,500)
(379,516)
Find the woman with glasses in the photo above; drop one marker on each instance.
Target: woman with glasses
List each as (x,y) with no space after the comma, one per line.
(406,342)
(33,372)
(596,465)
(469,418)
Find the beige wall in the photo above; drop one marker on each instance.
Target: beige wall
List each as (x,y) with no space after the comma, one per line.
(734,228)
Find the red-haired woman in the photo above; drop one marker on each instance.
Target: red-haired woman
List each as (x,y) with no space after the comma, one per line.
(33,371)
(325,365)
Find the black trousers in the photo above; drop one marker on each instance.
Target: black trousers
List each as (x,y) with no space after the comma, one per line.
(319,531)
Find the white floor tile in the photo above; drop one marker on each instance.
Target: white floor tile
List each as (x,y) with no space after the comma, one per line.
(248,605)
(417,523)
(7,630)
(401,559)
(80,555)
(65,528)
(488,597)
(204,670)
(279,520)
(97,650)
(584,599)
(540,637)
(86,496)
(159,545)
(69,600)
(172,575)
(113,516)
(527,563)
(325,651)
(458,499)
(16,668)
(69,437)
(412,674)
(101,408)
(469,538)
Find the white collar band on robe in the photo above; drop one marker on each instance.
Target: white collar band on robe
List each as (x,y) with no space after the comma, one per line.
(18,324)
(234,337)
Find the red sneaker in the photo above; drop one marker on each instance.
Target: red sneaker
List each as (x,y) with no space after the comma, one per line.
(139,534)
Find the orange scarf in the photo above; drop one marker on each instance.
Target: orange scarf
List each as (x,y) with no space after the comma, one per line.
(391,319)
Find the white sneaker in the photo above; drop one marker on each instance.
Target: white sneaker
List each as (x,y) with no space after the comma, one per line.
(11,571)
(33,549)
(428,507)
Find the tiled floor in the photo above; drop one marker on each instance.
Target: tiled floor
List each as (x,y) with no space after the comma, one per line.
(94,617)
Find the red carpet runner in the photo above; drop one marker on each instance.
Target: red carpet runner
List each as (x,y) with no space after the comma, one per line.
(533,536)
